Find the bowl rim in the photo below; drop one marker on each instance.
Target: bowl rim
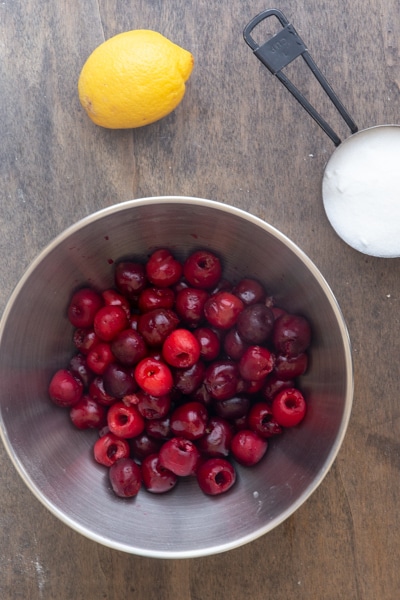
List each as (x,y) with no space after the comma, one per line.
(243,214)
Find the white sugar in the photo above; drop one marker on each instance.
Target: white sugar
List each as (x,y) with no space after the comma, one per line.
(361,191)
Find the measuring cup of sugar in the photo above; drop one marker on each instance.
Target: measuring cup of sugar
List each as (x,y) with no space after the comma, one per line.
(361,181)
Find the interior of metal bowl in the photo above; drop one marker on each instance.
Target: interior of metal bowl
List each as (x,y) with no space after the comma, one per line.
(55,460)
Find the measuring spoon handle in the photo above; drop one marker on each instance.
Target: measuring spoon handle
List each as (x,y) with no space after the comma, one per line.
(279,51)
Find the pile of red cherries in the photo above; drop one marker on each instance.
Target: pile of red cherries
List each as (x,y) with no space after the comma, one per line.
(183,373)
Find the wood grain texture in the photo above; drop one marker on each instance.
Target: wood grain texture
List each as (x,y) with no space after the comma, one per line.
(238,138)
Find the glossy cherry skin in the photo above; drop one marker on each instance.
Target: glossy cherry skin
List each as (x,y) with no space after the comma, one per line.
(210,343)
(130,278)
(221,379)
(216,442)
(119,381)
(202,269)
(125,421)
(256,363)
(291,335)
(79,368)
(162,269)
(156,325)
(156,478)
(250,291)
(88,414)
(189,420)
(154,297)
(143,445)
(234,345)
(187,381)
(125,477)
(180,456)
(109,321)
(153,407)
(99,357)
(113,298)
(255,323)
(64,389)
(274,384)
(232,408)
(189,305)
(222,310)
(215,476)
(98,393)
(129,347)
(109,448)
(159,429)
(248,448)
(83,307)
(154,376)
(291,367)
(181,349)
(261,420)
(289,407)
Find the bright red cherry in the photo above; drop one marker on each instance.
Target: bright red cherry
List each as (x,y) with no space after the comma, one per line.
(83,306)
(109,448)
(223,309)
(65,389)
(289,407)
(180,456)
(125,421)
(181,349)
(215,476)
(154,376)
(248,447)
(156,478)
(162,269)
(202,269)
(109,321)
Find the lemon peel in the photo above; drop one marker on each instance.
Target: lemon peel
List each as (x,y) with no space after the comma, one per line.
(133,79)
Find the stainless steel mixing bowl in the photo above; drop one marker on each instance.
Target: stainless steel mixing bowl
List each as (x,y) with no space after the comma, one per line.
(55,460)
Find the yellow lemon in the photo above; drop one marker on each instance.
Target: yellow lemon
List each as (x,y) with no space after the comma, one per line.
(133,79)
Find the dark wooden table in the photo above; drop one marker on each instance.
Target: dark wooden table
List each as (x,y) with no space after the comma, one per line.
(240,138)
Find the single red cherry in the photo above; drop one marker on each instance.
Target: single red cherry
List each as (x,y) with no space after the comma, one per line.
(99,357)
(109,321)
(109,448)
(256,363)
(125,477)
(162,269)
(289,407)
(156,478)
(189,420)
(88,414)
(181,349)
(83,306)
(125,421)
(154,376)
(262,421)
(130,278)
(291,334)
(202,269)
(180,456)
(248,447)
(189,305)
(215,476)
(222,310)
(64,389)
